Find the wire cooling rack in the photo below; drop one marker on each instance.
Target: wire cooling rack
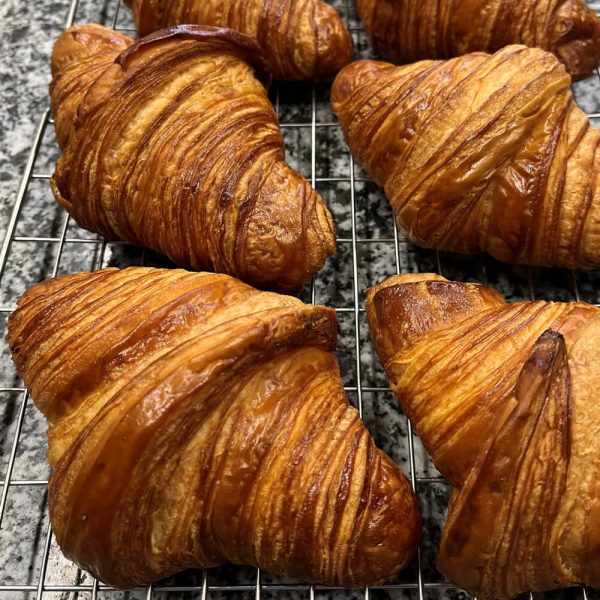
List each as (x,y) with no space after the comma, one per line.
(43,242)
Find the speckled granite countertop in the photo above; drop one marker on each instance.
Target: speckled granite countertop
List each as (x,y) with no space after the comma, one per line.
(28,31)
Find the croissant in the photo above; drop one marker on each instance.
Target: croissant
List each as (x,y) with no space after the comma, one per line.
(301,39)
(504,397)
(194,420)
(407,31)
(172,143)
(480,154)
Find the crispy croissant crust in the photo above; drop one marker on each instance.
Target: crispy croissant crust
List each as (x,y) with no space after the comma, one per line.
(301,39)
(407,31)
(173,144)
(504,397)
(195,420)
(480,154)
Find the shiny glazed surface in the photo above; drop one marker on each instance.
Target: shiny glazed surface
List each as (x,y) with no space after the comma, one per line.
(482,153)
(172,143)
(194,420)
(504,396)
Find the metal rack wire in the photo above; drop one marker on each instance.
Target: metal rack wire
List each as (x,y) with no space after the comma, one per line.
(363,377)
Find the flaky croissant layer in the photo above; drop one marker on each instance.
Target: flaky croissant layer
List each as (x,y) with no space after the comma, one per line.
(407,31)
(482,153)
(172,143)
(194,420)
(301,39)
(504,397)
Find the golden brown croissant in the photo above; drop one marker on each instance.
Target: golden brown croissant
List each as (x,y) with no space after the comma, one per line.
(480,154)
(301,39)
(195,420)
(504,396)
(174,145)
(407,31)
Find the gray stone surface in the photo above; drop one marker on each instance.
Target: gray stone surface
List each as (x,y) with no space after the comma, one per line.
(28,30)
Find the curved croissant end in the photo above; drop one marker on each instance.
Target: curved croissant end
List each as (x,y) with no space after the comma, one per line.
(480,154)
(575,38)
(301,39)
(407,31)
(79,57)
(504,398)
(195,420)
(175,146)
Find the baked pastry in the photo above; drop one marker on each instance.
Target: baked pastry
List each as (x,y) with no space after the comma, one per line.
(301,39)
(480,154)
(194,420)
(504,397)
(173,144)
(407,31)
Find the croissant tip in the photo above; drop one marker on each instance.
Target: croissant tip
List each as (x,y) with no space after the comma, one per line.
(331,47)
(79,41)
(577,38)
(354,75)
(549,345)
